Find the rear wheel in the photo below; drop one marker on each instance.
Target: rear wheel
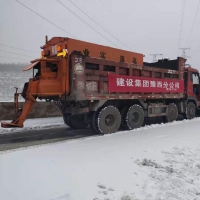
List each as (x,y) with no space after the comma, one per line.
(134,117)
(171,113)
(190,111)
(123,117)
(93,123)
(108,120)
(75,121)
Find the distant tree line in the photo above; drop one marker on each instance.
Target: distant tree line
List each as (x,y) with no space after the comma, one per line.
(12,66)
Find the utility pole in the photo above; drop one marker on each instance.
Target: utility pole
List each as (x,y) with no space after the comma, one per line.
(184,52)
(155,55)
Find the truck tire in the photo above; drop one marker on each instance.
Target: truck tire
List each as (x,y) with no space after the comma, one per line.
(171,113)
(75,121)
(190,111)
(93,123)
(108,120)
(134,117)
(123,117)
(66,118)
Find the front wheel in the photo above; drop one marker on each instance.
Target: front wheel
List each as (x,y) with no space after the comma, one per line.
(75,121)
(66,118)
(190,111)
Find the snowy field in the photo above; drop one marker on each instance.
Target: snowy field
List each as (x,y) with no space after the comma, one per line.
(11,79)
(157,162)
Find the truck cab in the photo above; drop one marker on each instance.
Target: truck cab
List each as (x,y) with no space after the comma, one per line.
(192,87)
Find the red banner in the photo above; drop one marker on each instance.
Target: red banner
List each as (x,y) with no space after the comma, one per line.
(121,83)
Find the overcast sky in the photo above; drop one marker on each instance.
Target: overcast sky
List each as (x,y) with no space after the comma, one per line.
(145,26)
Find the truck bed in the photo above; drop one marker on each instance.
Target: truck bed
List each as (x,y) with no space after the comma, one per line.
(105,79)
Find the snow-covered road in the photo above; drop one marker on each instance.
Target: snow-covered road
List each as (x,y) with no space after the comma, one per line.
(37,123)
(158,162)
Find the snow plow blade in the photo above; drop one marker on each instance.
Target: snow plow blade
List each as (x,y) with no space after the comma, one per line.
(10,125)
(21,115)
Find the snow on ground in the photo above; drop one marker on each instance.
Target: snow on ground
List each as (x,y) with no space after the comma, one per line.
(158,162)
(37,123)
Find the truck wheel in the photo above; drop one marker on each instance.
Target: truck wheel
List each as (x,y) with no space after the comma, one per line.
(66,118)
(93,123)
(75,121)
(123,117)
(134,117)
(171,113)
(190,111)
(108,120)
(78,121)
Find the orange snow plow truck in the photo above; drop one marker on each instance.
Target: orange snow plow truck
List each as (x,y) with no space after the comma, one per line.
(107,88)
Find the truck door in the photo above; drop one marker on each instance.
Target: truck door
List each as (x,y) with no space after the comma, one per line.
(194,78)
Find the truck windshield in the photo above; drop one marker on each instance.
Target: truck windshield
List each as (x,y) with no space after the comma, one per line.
(195,78)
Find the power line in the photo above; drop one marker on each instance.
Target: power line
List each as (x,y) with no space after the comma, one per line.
(105,5)
(102,3)
(181,24)
(16,53)
(44,18)
(98,24)
(17,48)
(84,21)
(12,58)
(198,5)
